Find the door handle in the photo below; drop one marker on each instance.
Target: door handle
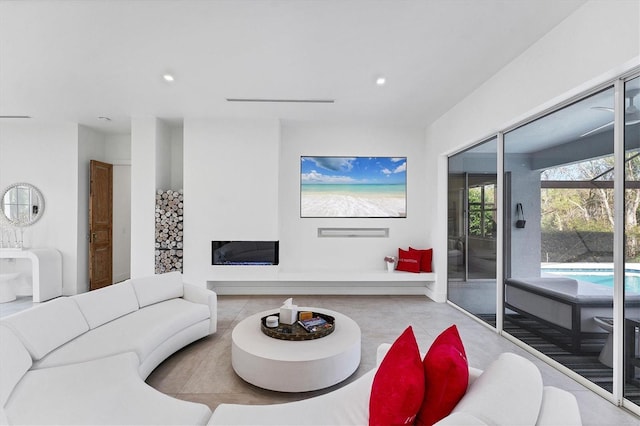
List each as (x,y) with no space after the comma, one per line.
(93,237)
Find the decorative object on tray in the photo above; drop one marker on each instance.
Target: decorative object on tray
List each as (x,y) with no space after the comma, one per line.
(272,321)
(315,324)
(391,263)
(324,325)
(288,312)
(305,315)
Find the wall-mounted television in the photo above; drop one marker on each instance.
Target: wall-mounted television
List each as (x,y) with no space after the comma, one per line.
(244,252)
(350,187)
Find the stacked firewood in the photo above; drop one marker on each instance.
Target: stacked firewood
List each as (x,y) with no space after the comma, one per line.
(169,230)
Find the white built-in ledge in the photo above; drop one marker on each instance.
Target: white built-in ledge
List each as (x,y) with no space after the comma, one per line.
(356,276)
(247,274)
(320,282)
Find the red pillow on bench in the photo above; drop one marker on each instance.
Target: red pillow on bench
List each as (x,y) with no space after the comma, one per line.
(425,260)
(409,261)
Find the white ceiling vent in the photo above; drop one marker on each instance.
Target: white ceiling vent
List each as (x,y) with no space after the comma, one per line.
(353,232)
(294,101)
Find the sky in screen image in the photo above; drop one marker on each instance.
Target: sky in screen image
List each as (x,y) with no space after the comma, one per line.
(353,170)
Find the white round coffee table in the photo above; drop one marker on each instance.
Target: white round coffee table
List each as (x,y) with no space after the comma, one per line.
(295,366)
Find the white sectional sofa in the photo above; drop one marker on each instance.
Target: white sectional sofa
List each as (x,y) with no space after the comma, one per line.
(509,392)
(83,359)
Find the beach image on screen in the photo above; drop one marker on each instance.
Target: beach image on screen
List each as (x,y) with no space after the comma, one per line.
(353,186)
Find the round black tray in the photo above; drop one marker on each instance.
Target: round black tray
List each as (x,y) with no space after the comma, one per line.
(295,331)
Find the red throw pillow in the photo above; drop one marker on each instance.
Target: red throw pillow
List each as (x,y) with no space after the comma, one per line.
(425,260)
(408,261)
(398,386)
(446,377)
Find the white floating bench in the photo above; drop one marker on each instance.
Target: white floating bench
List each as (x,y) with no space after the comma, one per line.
(272,281)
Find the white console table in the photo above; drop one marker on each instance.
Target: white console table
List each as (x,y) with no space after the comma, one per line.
(47,270)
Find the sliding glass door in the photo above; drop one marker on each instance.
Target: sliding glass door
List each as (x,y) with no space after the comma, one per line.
(558,289)
(570,240)
(472,237)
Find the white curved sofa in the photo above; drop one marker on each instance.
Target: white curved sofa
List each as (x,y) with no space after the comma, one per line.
(509,392)
(83,359)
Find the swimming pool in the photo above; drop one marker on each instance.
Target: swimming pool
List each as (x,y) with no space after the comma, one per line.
(597,275)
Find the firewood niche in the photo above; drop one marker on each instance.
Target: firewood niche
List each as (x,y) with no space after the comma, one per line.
(169,230)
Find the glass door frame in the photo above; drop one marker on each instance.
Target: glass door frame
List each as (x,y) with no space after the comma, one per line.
(619,299)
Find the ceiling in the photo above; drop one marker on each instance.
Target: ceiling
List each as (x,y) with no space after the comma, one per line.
(589,120)
(572,133)
(80,60)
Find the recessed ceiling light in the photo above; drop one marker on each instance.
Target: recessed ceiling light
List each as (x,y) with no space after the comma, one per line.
(380,81)
(168,77)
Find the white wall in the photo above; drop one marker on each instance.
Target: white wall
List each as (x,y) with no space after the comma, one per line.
(599,38)
(163,156)
(230,187)
(118,149)
(121,222)
(45,155)
(300,247)
(243,183)
(156,163)
(144,134)
(33,152)
(177,164)
(118,153)
(526,244)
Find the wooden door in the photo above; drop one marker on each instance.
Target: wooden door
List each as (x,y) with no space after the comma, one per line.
(100,225)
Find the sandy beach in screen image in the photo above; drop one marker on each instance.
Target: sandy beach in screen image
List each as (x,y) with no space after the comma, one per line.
(368,203)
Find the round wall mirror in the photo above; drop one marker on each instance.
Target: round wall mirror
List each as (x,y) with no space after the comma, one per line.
(22,204)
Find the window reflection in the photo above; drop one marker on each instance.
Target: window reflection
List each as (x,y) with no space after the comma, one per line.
(559,272)
(472,230)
